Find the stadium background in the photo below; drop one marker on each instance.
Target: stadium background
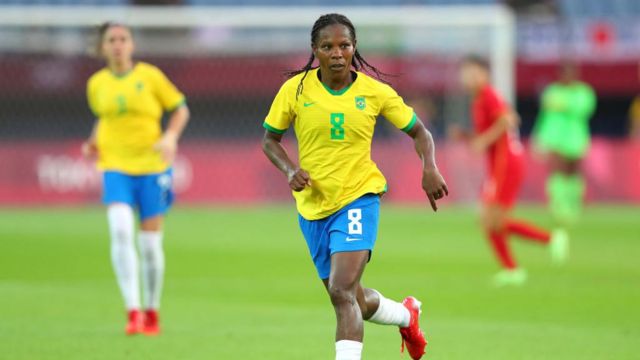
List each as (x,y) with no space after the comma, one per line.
(226,259)
(230,84)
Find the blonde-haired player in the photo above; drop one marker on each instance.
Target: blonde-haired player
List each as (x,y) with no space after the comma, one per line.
(129,98)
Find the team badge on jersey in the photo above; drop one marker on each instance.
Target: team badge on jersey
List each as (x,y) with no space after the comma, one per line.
(361,103)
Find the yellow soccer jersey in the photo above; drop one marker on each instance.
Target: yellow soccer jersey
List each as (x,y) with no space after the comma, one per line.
(129,109)
(334,131)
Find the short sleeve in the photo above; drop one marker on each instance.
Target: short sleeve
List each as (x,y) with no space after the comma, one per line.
(91,97)
(282,111)
(170,97)
(634,109)
(396,111)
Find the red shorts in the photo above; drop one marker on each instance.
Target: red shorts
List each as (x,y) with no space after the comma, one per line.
(504,182)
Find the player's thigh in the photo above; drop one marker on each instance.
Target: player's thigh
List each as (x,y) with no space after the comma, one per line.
(347,269)
(118,188)
(154,194)
(352,234)
(153,223)
(317,238)
(355,227)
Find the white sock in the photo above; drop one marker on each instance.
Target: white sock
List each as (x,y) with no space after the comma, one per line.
(152,254)
(391,313)
(348,350)
(123,253)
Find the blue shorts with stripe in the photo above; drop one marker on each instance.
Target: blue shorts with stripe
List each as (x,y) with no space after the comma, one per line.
(352,228)
(151,194)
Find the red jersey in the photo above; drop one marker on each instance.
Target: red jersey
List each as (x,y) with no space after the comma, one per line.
(487,108)
(505,156)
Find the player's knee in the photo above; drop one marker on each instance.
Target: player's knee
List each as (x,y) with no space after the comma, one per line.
(151,224)
(493,223)
(365,308)
(342,295)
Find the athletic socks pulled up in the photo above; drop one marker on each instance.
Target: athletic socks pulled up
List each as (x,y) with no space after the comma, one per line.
(123,253)
(528,231)
(566,194)
(498,240)
(152,255)
(348,350)
(390,313)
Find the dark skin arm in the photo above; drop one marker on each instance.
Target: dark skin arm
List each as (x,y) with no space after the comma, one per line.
(272,147)
(433,183)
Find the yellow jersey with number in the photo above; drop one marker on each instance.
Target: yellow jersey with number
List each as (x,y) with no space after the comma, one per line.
(334,130)
(129,109)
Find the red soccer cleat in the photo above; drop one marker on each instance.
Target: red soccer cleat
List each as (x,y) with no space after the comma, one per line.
(135,323)
(151,323)
(412,337)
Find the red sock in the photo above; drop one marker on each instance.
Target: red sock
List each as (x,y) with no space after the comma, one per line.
(528,231)
(501,249)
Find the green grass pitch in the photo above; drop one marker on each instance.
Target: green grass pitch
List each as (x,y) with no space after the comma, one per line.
(240,285)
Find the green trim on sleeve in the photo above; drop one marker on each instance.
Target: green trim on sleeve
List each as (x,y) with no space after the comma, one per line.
(179,104)
(413,121)
(272,129)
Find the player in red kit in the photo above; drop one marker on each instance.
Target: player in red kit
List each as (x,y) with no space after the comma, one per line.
(496,135)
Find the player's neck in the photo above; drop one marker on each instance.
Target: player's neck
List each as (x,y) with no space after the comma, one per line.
(478,89)
(338,82)
(121,68)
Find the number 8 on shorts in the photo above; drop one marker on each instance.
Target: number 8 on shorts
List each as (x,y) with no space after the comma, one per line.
(355,226)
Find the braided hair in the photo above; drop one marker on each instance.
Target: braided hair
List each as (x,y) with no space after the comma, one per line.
(359,62)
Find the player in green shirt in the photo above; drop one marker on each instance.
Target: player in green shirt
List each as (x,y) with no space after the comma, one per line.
(562,132)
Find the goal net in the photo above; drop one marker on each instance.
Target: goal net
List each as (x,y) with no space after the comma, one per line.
(229,62)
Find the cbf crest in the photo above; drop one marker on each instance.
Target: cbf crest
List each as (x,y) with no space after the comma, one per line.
(361,103)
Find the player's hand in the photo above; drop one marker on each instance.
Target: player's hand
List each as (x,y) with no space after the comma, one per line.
(298,179)
(478,145)
(89,149)
(456,132)
(434,186)
(168,147)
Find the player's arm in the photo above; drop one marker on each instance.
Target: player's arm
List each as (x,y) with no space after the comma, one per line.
(586,104)
(433,183)
(275,151)
(89,147)
(457,132)
(507,120)
(168,143)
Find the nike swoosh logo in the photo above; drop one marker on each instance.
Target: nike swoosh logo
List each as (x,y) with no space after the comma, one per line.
(308,104)
(349,239)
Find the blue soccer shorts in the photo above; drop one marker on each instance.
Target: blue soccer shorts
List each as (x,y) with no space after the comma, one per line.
(352,228)
(151,194)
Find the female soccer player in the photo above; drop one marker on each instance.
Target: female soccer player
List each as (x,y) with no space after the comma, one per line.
(337,187)
(128,98)
(562,132)
(496,135)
